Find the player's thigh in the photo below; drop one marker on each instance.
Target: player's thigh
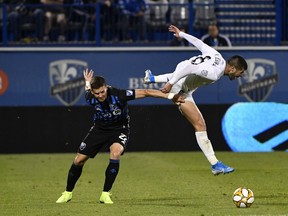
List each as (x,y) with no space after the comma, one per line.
(119,140)
(193,115)
(93,142)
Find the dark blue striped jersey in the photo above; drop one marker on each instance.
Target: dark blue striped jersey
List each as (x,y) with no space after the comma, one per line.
(113,112)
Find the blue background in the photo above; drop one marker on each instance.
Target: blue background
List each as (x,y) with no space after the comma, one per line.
(243,121)
(29,85)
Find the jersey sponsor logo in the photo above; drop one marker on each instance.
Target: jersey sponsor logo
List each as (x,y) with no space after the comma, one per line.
(267,132)
(4,82)
(115,110)
(259,80)
(66,80)
(107,115)
(129,92)
(82,146)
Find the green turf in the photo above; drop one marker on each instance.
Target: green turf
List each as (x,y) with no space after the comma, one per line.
(148,184)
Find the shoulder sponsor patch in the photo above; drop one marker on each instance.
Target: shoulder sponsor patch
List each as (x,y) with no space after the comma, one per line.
(129,92)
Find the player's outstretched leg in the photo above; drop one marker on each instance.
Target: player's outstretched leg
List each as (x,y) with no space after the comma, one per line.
(149,77)
(194,116)
(219,168)
(65,197)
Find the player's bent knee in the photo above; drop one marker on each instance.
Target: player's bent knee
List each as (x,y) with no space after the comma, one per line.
(80,160)
(115,154)
(200,128)
(116,151)
(200,125)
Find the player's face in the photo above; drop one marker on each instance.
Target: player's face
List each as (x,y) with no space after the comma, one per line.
(235,73)
(100,93)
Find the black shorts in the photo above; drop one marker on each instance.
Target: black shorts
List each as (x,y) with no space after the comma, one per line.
(96,139)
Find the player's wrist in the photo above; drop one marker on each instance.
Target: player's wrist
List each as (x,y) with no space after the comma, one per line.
(170,83)
(87,85)
(181,33)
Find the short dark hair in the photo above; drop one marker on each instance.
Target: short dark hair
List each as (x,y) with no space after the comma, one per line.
(238,62)
(97,82)
(213,24)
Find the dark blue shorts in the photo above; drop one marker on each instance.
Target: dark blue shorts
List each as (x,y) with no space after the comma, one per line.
(96,139)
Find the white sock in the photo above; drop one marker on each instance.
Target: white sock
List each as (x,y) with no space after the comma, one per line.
(163,78)
(206,146)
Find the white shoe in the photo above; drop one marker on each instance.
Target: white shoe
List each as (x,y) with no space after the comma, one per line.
(149,77)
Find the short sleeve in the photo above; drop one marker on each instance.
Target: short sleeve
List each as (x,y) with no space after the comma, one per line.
(126,95)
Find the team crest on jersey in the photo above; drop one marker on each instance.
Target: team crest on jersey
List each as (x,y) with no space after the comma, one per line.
(259,80)
(66,79)
(115,110)
(204,73)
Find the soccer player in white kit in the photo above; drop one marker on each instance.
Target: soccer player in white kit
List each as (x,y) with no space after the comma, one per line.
(193,73)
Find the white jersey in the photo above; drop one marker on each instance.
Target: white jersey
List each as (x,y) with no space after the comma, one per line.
(199,70)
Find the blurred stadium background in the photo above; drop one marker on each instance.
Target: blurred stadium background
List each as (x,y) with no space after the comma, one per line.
(261,22)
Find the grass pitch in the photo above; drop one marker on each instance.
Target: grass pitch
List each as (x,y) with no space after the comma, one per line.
(175,183)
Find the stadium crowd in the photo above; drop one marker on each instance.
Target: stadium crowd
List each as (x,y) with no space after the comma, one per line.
(124,21)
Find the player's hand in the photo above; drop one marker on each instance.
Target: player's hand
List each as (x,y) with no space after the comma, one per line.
(175,30)
(88,75)
(178,99)
(167,87)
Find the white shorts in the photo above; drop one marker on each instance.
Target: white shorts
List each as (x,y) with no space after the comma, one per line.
(178,87)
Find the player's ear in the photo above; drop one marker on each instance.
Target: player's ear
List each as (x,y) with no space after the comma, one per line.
(232,69)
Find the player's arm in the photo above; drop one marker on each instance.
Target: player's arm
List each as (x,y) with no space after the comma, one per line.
(185,71)
(141,93)
(177,75)
(88,75)
(199,44)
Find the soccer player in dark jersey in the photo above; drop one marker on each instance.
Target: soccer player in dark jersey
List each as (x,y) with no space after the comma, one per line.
(110,128)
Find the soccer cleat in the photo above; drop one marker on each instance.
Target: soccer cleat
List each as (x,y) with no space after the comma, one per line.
(219,168)
(65,197)
(106,198)
(149,77)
